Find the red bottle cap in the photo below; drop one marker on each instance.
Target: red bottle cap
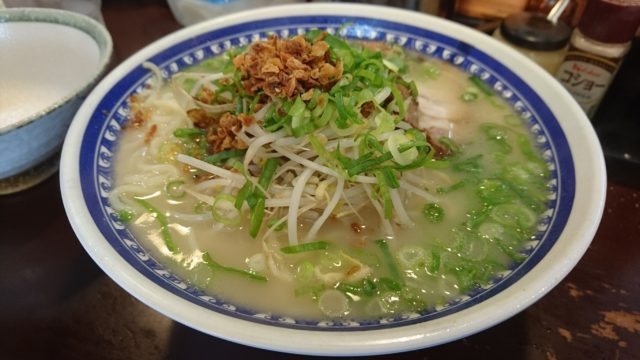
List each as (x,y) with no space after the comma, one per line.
(611,21)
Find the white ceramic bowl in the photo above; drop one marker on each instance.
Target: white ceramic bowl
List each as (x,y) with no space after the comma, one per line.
(50,60)
(562,131)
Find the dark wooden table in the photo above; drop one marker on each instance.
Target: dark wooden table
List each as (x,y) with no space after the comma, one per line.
(55,303)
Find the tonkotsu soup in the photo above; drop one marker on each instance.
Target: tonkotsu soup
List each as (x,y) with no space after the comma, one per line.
(320,179)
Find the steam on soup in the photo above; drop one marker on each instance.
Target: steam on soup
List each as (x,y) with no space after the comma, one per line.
(316,178)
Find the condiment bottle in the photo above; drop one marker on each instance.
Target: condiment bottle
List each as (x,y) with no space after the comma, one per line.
(536,37)
(596,49)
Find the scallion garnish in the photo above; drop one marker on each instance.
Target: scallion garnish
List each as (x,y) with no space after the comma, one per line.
(224,211)
(390,262)
(433,212)
(481,85)
(174,189)
(188,132)
(256,216)
(224,155)
(213,265)
(312,246)
(162,220)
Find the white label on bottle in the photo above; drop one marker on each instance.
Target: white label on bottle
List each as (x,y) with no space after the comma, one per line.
(587,78)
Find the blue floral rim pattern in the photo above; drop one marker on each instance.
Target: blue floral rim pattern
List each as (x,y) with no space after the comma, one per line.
(102,133)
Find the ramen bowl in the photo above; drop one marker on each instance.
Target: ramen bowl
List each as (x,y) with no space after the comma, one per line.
(569,147)
(50,60)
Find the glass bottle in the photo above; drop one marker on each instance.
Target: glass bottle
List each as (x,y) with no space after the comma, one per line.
(535,36)
(597,47)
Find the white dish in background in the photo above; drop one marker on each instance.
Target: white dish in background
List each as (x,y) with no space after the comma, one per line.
(569,144)
(50,59)
(28,82)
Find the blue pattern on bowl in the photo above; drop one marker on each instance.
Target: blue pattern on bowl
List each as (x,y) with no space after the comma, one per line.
(101,139)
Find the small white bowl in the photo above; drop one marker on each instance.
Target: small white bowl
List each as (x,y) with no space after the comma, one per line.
(563,133)
(50,61)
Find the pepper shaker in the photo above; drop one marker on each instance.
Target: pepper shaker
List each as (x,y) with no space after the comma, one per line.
(597,47)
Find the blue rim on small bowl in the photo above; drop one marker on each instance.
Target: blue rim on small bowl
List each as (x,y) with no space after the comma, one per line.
(24,164)
(556,121)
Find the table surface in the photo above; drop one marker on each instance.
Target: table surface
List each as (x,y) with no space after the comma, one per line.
(56,303)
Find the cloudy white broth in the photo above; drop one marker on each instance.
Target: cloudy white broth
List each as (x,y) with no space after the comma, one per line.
(321,179)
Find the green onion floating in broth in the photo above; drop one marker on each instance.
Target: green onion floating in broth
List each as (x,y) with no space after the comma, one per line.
(162,221)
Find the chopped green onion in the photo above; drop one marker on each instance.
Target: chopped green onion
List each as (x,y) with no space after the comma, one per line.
(273,224)
(365,163)
(343,116)
(513,120)
(162,220)
(298,107)
(390,262)
(125,215)
(201,207)
(433,212)
(434,265)
(453,187)
(305,272)
(481,85)
(312,246)
(514,215)
(302,124)
(393,67)
(369,288)
(328,114)
(496,102)
(311,104)
(449,144)
(243,193)
(398,100)
(495,191)
(430,70)
(341,50)
(469,96)
(363,96)
(256,216)
(373,143)
(390,178)
(319,106)
(349,289)
(527,149)
(174,189)
(508,250)
(224,211)
(385,122)
(188,132)
(387,204)
(221,156)
(252,199)
(313,34)
(412,257)
(401,148)
(389,284)
(469,165)
(436,164)
(213,265)
(411,85)
(268,170)
(367,74)
(499,135)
